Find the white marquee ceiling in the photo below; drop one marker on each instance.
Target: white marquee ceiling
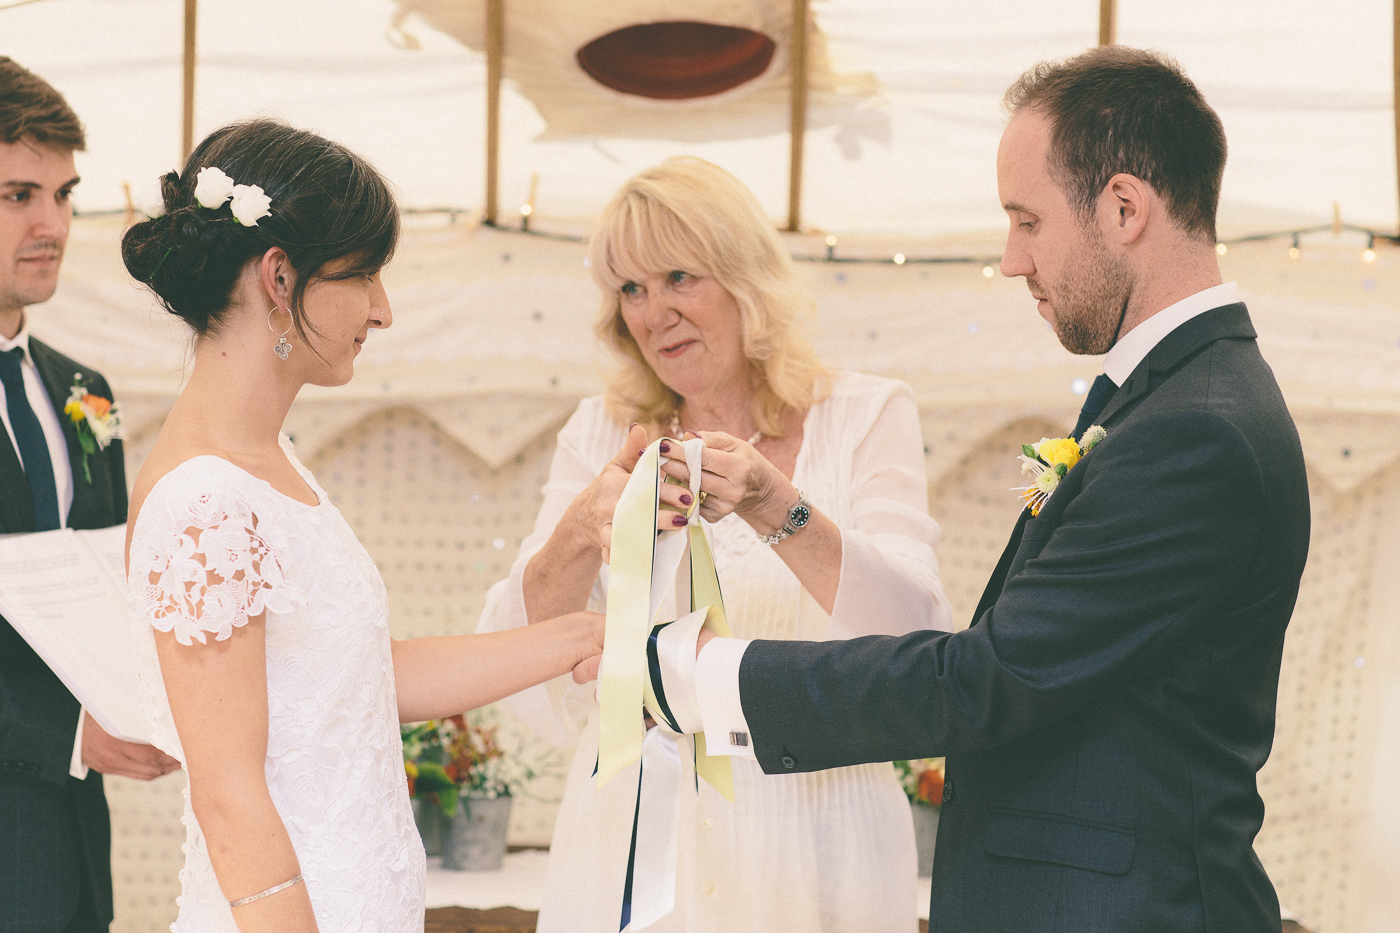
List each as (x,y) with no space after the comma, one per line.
(1304,89)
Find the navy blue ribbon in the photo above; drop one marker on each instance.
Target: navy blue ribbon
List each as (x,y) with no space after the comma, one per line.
(654,669)
(631,856)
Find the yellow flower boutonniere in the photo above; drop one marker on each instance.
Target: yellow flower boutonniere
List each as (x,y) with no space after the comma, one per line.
(1048,461)
(97,420)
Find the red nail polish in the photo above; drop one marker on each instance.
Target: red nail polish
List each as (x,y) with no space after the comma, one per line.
(685,498)
(665,448)
(642,451)
(679,521)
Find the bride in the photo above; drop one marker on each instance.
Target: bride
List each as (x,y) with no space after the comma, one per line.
(266,663)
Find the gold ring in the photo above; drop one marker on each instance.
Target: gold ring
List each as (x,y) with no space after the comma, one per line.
(703,496)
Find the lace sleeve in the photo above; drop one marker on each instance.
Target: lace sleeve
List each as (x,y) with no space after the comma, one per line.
(205,565)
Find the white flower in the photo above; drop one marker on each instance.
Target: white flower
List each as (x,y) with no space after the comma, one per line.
(249,203)
(1092,435)
(212,187)
(1046,482)
(106,428)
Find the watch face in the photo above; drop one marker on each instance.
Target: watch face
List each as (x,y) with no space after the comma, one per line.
(799,515)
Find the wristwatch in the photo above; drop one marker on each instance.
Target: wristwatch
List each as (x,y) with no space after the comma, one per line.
(797,518)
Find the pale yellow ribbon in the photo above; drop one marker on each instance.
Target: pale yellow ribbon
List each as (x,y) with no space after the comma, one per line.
(635,590)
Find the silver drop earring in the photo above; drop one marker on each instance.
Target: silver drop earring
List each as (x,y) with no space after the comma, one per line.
(284,347)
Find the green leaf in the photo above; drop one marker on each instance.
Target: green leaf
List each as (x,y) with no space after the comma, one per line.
(1028,450)
(433,780)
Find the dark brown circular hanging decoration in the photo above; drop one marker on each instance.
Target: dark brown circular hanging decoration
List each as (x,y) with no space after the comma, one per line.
(676,60)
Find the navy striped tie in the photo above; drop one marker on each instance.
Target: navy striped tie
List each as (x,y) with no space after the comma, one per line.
(29,437)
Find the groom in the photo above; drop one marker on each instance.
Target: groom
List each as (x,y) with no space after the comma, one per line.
(1105,715)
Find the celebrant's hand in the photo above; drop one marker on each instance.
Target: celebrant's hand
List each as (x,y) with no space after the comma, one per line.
(587,669)
(596,504)
(107,755)
(735,477)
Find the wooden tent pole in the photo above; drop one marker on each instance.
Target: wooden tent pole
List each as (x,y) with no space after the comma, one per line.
(495,49)
(798,73)
(187,124)
(1108,21)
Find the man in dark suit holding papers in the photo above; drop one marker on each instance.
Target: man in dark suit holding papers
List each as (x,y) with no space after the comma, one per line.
(1106,714)
(55,838)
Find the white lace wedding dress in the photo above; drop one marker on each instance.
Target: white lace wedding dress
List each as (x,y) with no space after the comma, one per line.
(214,545)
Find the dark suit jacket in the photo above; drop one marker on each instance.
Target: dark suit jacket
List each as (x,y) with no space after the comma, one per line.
(1104,718)
(54,829)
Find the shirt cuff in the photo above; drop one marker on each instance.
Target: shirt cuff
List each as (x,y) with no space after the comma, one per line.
(717,692)
(75,765)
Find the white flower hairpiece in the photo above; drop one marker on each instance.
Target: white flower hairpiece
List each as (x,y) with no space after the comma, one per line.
(248,202)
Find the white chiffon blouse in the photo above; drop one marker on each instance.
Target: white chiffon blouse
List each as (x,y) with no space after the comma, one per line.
(830,850)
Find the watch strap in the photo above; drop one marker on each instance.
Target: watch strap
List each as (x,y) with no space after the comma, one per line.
(789,528)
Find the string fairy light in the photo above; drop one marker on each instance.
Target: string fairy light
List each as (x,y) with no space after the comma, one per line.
(987,264)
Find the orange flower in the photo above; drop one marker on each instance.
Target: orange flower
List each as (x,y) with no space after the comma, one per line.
(97,403)
(931,785)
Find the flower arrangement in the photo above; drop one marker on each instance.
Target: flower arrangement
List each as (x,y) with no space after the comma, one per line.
(922,780)
(1047,462)
(97,419)
(447,758)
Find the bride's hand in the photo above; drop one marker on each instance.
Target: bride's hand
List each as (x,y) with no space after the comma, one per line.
(596,504)
(587,669)
(735,477)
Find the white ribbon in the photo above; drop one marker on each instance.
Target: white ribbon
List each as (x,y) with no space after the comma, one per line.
(624,681)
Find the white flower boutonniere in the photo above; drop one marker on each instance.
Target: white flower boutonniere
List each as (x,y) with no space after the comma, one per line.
(1048,461)
(97,419)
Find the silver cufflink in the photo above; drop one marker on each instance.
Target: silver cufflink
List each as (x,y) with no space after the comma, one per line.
(739,738)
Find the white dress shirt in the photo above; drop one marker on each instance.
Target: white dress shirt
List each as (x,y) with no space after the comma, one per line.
(717,669)
(38,396)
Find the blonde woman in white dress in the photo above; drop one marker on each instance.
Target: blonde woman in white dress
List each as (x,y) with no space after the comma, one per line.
(700,304)
(265,659)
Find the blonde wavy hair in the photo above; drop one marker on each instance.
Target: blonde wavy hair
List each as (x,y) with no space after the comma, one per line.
(691,215)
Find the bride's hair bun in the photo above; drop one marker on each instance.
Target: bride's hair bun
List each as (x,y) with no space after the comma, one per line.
(185,255)
(327,204)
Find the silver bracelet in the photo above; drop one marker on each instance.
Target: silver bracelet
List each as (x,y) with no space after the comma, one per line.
(262,894)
